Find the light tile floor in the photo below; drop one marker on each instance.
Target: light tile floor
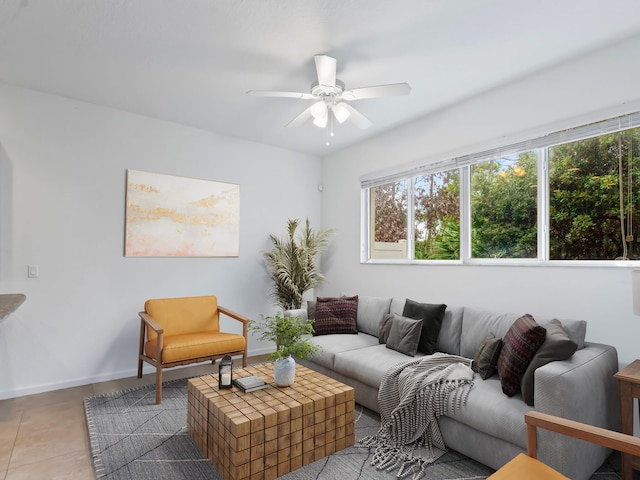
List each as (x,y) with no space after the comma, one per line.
(45,436)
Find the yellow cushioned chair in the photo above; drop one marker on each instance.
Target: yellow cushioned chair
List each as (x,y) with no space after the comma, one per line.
(180,331)
(528,467)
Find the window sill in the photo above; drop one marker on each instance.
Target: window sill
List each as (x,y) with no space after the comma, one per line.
(510,263)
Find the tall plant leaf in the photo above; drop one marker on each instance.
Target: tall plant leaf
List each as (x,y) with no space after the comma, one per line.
(292,263)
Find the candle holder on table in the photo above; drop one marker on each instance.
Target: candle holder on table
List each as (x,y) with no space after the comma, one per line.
(225,372)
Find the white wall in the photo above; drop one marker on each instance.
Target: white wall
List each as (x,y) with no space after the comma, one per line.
(62,198)
(591,88)
(62,201)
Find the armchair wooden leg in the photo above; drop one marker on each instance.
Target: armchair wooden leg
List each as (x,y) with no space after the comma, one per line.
(158,384)
(141,348)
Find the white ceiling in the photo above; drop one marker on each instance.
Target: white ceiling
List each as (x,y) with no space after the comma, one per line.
(191,61)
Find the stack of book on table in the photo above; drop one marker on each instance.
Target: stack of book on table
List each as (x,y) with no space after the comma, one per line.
(250,384)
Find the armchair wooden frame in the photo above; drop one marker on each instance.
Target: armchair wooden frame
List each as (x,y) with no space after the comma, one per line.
(147,320)
(607,438)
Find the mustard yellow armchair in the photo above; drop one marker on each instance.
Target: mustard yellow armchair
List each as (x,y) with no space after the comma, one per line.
(180,331)
(528,467)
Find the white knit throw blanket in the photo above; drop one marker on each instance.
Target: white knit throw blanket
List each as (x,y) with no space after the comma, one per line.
(412,396)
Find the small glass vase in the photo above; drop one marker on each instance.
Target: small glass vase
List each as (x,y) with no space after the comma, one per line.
(284,371)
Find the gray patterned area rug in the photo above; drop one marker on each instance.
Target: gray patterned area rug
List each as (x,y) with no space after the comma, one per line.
(133,438)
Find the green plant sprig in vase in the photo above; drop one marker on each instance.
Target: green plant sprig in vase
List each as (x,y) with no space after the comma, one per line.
(289,334)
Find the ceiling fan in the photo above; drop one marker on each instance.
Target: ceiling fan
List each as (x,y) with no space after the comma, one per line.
(331,97)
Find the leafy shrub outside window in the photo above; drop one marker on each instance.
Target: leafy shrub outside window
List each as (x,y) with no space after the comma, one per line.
(586,201)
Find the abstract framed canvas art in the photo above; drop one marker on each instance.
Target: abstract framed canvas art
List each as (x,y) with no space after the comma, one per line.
(169,216)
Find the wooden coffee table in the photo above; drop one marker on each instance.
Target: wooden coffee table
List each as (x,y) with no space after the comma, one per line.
(264,434)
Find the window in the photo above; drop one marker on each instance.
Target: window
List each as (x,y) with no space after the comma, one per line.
(388,207)
(436,222)
(594,195)
(504,207)
(568,196)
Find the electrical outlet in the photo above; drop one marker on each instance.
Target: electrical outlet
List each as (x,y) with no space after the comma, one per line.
(32,271)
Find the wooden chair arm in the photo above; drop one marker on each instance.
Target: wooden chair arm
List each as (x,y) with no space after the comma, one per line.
(240,318)
(600,436)
(234,315)
(148,319)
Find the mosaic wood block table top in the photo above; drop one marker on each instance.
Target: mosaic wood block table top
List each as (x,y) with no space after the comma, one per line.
(264,434)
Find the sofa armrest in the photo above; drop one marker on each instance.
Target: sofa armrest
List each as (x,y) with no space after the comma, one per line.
(582,389)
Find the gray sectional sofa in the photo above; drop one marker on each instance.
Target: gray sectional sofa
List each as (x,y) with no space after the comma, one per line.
(490,428)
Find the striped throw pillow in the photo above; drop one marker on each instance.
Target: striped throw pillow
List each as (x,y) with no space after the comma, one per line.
(519,345)
(336,315)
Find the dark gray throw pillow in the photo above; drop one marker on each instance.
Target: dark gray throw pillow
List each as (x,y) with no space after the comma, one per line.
(431,316)
(485,360)
(404,335)
(385,328)
(557,346)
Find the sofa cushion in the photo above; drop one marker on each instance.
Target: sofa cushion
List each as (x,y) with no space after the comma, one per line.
(557,346)
(331,345)
(336,315)
(431,316)
(476,324)
(311,309)
(404,335)
(370,312)
(485,360)
(368,365)
(520,344)
(489,411)
(449,336)
(397,305)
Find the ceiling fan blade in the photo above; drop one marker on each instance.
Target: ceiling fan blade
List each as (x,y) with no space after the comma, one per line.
(300,119)
(358,119)
(268,93)
(326,68)
(391,90)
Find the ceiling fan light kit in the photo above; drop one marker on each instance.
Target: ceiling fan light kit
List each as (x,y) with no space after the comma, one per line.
(319,109)
(331,98)
(321,121)
(341,112)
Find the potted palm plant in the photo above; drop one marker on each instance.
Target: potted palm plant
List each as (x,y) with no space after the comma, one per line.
(291,336)
(292,266)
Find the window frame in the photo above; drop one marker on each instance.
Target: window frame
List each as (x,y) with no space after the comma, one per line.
(541,146)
